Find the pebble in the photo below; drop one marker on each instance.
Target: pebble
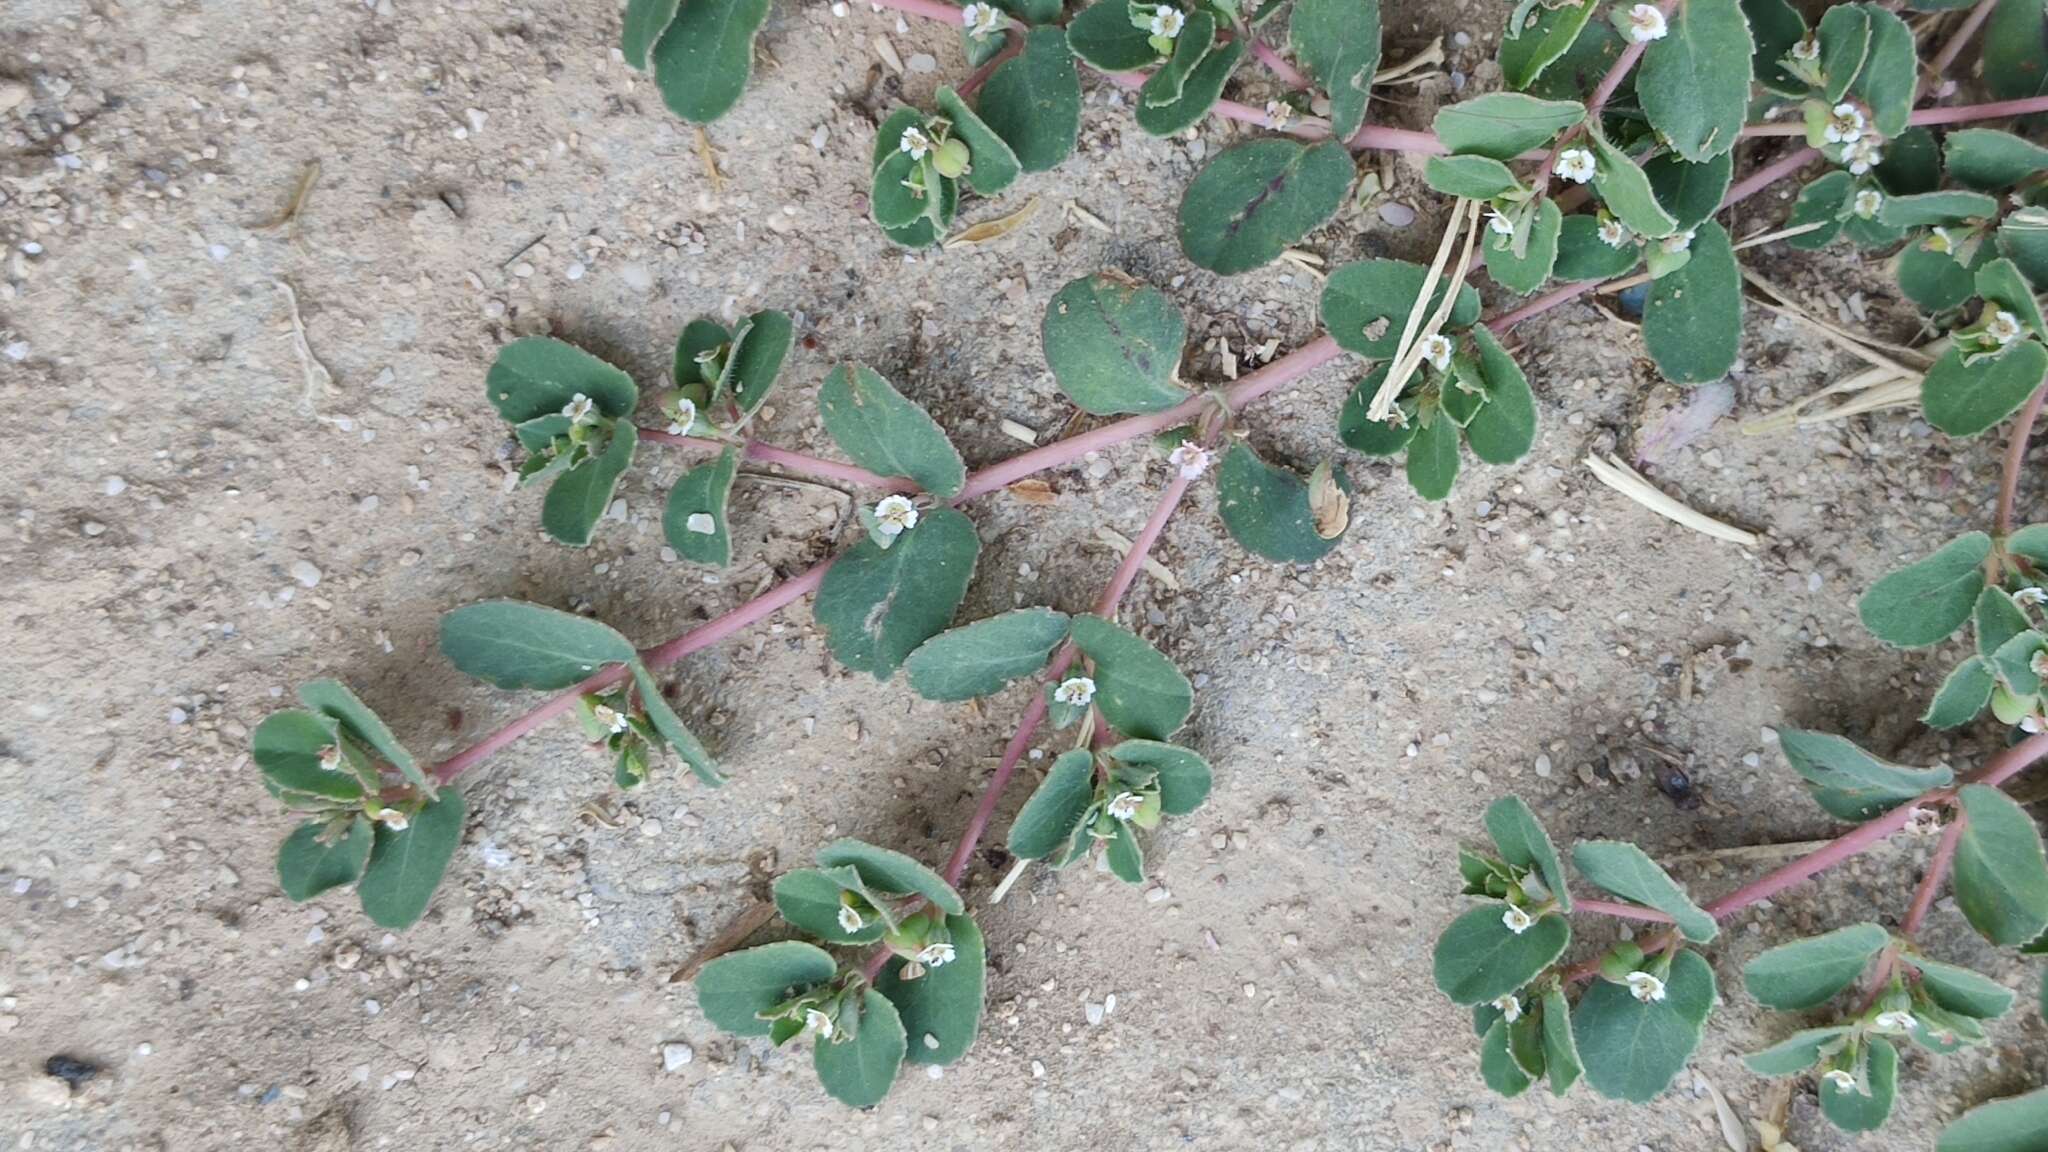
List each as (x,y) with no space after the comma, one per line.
(1397,214)
(114,486)
(1543,766)
(305,573)
(675,1056)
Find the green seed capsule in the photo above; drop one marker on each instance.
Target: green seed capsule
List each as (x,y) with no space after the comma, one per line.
(2009,708)
(950,159)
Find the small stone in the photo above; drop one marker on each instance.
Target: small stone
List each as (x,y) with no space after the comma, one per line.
(1396,214)
(1543,766)
(305,573)
(675,1056)
(114,486)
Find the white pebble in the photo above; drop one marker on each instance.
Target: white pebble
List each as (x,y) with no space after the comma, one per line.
(114,486)
(674,1056)
(305,573)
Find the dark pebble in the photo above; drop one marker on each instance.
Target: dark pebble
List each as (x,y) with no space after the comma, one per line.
(71,1070)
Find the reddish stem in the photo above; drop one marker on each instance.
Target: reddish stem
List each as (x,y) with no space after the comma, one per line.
(1958,114)
(1961,36)
(1619,911)
(1937,870)
(1276,63)
(2016,456)
(813,466)
(1768,175)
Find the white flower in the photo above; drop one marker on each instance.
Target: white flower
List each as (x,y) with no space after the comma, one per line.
(2026,596)
(935,955)
(816,1021)
(849,920)
(1075,690)
(1842,1079)
(610,719)
(1676,243)
(1167,21)
(1190,458)
(982,20)
(1923,822)
(702,524)
(895,515)
(1895,1021)
(330,758)
(1614,232)
(1576,165)
(1517,920)
(580,409)
(1863,155)
(393,819)
(685,418)
(1498,224)
(1645,987)
(1125,805)
(1510,1008)
(915,142)
(1845,125)
(1277,114)
(1808,48)
(2003,329)
(2031,725)
(1645,23)
(1437,350)
(1868,202)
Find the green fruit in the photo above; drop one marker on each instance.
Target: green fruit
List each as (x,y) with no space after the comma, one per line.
(2009,708)
(950,159)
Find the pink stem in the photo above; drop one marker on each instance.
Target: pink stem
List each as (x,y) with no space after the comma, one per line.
(1959,114)
(1275,63)
(1768,175)
(794,461)
(2016,456)
(1937,870)
(1961,36)
(1619,910)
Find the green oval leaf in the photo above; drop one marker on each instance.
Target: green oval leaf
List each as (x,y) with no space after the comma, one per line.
(992,165)
(1960,990)
(1182,776)
(1850,783)
(1048,820)
(1690,192)
(1944,207)
(1125,856)
(1583,255)
(645,21)
(2012,63)
(406,866)
(1963,694)
(982,658)
(857,1067)
(1033,101)
(809,899)
(1935,280)
(2023,238)
(317,857)
(1526,54)
(702,492)
(1927,600)
(759,348)
(1114,345)
(1366,303)
(1479,959)
(1524,844)
(1694,82)
(1497,1064)
(702,62)
(1633,1048)
(1560,1048)
(941,1009)
(1989,160)
(1843,37)
(513,644)
(886,432)
(1105,38)
(1475,177)
(1825,201)
(1266,508)
(1194,44)
(734,989)
(1797,1052)
(1254,200)
(1203,88)
(1853,1109)
(579,497)
(333,699)
(1505,428)
(1775,26)
(1808,973)
(287,747)
(1628,872)
(1692,324)
(1375,437)
(1626,191)
(1504,125)
(877,605)
(1432,466)
(1527,272)
(2001,874)
(2001,285)
(539,376)
(2014,1124)
(1890,74)
(671,729)
(885,870)
(1137,689)
(1338,45)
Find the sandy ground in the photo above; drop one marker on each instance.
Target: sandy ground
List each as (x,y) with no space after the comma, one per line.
(196,528)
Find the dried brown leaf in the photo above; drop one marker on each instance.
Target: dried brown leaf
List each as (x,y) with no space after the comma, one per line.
(996,229)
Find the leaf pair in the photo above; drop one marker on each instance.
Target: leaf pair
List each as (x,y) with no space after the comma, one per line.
(581,446)
(700,52)
(1499,947)
(1075,804)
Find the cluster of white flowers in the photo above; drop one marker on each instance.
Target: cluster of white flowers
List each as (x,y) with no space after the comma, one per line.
(1845,125)
(1645,987)
(1863,155)
(1167,21)
(580,409)
(2003,329)
(895,515)
(982,20)
(1190,458)
(1576,165)
(1125,805)
(2030,596)
(1646,23)
(1437,350)
(1510,1009)
(1075,691)
(1868,202)
(685,417)
(915,142)
(1517,920)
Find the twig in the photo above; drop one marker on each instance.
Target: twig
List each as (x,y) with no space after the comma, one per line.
(1630,483)
(1411,329)
(318,378)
